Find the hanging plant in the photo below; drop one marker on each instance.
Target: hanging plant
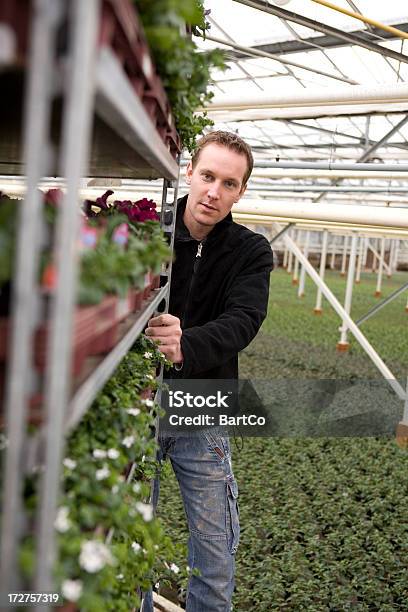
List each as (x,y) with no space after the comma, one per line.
(185,72)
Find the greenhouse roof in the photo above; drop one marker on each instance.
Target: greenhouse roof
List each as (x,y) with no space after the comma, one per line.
(356,70)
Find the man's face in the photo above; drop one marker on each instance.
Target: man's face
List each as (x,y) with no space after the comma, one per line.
(216,182)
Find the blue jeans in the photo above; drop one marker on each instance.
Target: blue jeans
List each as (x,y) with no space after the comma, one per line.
(202,465)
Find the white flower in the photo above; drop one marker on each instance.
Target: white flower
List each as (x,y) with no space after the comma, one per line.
(72,589)
(136,487)
(120,576)
(113,453)
(102,473)
(174,568)
(146,510)
(136,547)
(128,441)
(94,556)
(149,377)
(69,463)
(148,355)
(99,453)
(62,522)
(133,411)
(115,489)
(188,568)
(148,402)
(157,586)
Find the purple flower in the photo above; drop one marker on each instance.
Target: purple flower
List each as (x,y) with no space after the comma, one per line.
(53,196)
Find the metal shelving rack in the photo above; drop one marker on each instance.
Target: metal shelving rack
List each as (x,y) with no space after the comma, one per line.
(92,88)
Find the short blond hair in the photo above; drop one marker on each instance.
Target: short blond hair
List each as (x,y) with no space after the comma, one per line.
(231,141)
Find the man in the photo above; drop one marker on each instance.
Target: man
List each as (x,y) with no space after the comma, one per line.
(218,300)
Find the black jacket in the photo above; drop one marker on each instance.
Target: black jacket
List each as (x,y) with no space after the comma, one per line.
(220,297)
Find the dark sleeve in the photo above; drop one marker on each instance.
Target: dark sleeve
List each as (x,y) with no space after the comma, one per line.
(208,346)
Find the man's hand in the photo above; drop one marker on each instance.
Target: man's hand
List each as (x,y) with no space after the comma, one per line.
(165,329)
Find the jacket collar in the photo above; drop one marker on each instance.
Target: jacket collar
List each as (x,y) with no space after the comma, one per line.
(182,232)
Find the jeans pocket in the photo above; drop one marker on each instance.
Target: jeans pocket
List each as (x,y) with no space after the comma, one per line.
(219,445)
(232,516)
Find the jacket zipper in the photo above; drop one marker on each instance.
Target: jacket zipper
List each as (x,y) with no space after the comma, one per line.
(195,268)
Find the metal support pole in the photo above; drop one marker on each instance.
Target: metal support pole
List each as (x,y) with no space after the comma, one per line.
(396,253)
(344,258)
(365,253)
(333,253)
(318,307)
(285,258)
(25,298)
(380,268)
(301,290)
(391,258)
(295,277)
(290,256)
(381,305)
(343,345)
(74,155)
(360,259)
(347,320)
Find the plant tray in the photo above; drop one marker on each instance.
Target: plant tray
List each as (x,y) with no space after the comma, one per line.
(106,326)
(122,31)
(84,331)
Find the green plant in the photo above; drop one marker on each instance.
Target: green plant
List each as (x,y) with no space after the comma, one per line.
(184,71)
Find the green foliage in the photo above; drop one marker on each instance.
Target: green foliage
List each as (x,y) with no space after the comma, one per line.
(184,72)
(115,432)
(111,268)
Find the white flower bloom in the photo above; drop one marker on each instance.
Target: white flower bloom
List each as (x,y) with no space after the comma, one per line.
(113,453)
(72,589)
(62,522)
(136,547)
(94,556)
(146,510)
(148,402)
(149,377)
(157,586)
(136,487)
(69,463)
(120,576)
(148,355)
(102,473)
(99,453)
(188,568)
(128,441)
(133,411)
(144,551)
(174,568)
(115,489)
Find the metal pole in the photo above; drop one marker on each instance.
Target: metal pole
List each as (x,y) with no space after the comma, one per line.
(295,277)
(347,320)
(396,253)
(301,290)
(333,253)
(390,257)
(25,295)
(365,253)
(74,155)
(343,345)
(290,255)
(360,259)
(318,307)
(344,257)
(285,258)
(380,268)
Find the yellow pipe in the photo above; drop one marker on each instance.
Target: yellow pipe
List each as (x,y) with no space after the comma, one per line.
(377,24)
